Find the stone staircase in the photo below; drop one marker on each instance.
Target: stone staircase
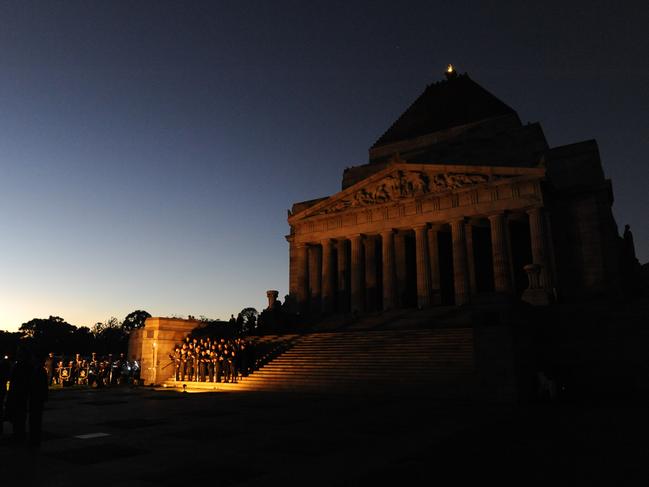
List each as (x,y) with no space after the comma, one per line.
(419,360)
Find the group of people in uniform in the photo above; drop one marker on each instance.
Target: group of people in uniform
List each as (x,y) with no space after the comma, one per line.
(93,371)
(210,359)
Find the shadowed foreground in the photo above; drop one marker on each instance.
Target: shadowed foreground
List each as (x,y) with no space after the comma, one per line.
(154,438)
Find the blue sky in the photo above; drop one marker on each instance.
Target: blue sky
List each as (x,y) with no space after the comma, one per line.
(149,150)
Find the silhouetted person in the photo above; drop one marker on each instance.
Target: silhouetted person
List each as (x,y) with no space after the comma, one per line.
(175,357)
(50,365)
(37,397)
(5,371)
(18,395)
(27,395)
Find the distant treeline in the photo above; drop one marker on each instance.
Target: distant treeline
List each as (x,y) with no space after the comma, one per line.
(54,334)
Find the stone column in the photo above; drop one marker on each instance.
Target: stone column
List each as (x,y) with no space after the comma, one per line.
(460,271)
(328,276)
(470,257)
(500,254)
(315,278)
(537,238)
(400,267)
(423,267)
(433,251)
(371,281)
(343,274)
(302,278)
(389,271)
(357,288)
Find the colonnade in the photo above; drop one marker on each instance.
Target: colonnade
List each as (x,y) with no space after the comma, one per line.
(347,273)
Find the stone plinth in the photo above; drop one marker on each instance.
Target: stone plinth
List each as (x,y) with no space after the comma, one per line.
(536,294)
(272,298)
(153,344)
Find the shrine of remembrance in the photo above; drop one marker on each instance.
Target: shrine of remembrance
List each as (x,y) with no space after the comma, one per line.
(460,202)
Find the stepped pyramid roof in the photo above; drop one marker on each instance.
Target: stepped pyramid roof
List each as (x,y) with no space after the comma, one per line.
(453,102)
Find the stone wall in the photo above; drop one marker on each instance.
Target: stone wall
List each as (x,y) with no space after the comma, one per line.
(153,344)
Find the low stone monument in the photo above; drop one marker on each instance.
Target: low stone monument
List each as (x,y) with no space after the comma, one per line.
(152,345)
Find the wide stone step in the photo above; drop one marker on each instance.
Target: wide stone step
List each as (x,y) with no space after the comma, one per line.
(395,352)
(351,371)
(378,339)
(369,360)
(350,376)
(377,381)
(328,364)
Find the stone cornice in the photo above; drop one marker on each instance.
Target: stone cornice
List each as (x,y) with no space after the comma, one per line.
(403,181)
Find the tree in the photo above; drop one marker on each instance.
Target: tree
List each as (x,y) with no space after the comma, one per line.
(247,320)
(110,336)
(83,340)
(135,320)
(9,342)
(99,327)
(51,334)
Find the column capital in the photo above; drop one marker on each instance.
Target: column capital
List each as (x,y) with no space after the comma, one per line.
(534,209)
(421,226)
(355,236)
(389,231)
(496,214)
(458,220)
(328,241)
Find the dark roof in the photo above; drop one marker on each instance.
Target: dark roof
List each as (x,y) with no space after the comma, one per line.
(518,146)
(450,103)
(522,146)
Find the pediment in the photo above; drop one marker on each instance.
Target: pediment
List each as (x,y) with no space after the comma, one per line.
(404,181)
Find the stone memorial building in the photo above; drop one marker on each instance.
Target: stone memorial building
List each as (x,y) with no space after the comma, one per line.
(460,202)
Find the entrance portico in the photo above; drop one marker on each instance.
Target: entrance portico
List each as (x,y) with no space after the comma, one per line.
(380,244)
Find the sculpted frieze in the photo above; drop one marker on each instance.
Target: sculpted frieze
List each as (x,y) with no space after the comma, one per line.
(405,184)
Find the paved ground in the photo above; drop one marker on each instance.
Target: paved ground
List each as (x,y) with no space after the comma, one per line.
(153,438)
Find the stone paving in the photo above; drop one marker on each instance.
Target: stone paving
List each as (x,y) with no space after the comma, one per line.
(141,437)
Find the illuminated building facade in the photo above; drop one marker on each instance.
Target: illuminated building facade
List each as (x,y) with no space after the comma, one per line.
(460,202)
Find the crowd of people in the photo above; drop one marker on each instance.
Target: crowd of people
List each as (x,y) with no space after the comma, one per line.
(208,359)
(25,380)
(93,371)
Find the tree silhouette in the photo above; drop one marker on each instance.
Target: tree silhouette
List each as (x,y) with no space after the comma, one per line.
(52,334)
(110,336)
(247,320)
(135,320)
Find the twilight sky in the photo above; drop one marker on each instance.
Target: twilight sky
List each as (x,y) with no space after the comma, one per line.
(149,149)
